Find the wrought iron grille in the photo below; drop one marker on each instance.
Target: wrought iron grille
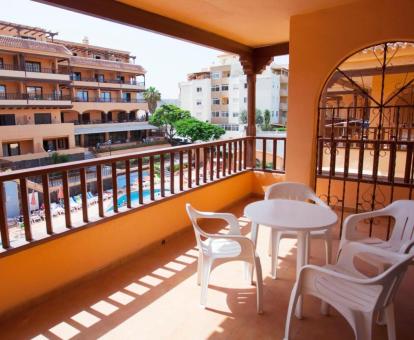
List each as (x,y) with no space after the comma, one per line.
(365,138)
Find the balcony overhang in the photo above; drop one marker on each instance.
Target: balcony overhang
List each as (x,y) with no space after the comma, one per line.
(112,127)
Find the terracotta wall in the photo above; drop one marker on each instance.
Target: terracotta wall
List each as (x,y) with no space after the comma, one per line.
(319,41)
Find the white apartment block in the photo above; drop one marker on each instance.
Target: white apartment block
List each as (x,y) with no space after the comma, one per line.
(219,93)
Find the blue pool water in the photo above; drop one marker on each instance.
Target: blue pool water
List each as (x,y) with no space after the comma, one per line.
(121,180)
(134,198)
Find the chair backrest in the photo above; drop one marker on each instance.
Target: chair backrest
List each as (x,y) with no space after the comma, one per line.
(390,279)
(403,213)
(292,191)
(194,215)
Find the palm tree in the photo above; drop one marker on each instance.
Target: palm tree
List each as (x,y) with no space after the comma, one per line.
(152,96)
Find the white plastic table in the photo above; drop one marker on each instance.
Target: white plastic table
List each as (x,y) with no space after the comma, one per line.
(290,215)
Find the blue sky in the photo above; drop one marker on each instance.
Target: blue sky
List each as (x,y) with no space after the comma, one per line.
(167,60)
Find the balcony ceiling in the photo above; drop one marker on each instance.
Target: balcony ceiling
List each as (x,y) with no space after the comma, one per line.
(237,26)
(252,23)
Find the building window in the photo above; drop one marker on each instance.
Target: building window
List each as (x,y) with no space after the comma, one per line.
(215,88)
(76,76)
(245,100)
(224,114)
(62,144)
(97,56)
(100,78)
(7,119)
(82,96)
(225,101)
(120,79)
(43,118)
(1,64)
(215,114)
(235,114)
(49,145)
(11,149)
(198,103)
(226,74)
(126,97)
(245,85)
(34,92)
(3,92)
(215,75)
(33,66)
(216,101)
(105,97)
(225,87)
(199,89)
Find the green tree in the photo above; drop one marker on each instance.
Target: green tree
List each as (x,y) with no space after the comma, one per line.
(166,118)
(259,117)
(267,119)
(152,96)
(58,158)
(195,129)
(243,117)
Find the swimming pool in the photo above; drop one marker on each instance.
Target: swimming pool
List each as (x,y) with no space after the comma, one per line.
(122,200)
(121,180)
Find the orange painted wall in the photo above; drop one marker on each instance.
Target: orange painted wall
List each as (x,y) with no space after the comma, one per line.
(319,41)
(38,270)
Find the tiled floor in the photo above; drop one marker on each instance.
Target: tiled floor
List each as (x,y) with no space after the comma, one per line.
(155,296)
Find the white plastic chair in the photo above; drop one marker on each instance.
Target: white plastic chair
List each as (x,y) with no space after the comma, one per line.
(402,237)
(216,249)
(357,297)
(299,192)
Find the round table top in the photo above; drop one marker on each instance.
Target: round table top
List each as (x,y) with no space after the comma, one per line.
(290,215)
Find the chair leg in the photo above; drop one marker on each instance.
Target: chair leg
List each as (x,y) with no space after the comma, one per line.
(328,246)
(259,285)
(199,268)
(390,319)
(207,262)
(294,296)
(276,237)
(363,326)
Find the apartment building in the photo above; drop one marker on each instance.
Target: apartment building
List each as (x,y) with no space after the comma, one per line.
(219,94)
(62,96)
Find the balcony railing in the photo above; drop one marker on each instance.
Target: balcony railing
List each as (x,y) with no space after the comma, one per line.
(107,81)
(32,96)
(28,68)
(108,100)
(168,171)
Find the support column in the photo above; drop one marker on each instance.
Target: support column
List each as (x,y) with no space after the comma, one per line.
(128,136)
(106,136)
(251,119)
(82,140)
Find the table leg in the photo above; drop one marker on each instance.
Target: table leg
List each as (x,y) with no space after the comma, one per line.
(301,260)
(254,232)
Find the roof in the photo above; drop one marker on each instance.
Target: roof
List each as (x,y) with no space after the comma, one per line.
(113,127)
(24,29)
(33,46)
(92,47)
(106,65)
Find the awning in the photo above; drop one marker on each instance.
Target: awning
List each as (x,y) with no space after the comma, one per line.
(112,127)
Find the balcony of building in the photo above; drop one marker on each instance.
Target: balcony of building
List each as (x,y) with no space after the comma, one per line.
(116,84)
(52,100)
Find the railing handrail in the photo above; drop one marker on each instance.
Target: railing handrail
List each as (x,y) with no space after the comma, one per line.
(27,68)
(31,96)
(17,174)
